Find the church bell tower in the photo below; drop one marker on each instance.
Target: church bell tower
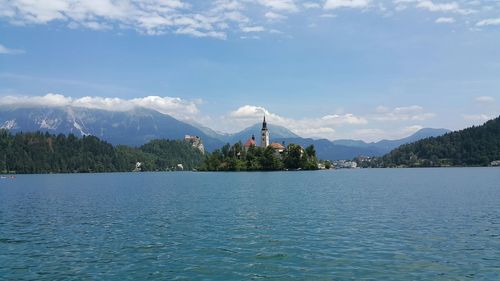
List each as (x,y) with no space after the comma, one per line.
(264,134)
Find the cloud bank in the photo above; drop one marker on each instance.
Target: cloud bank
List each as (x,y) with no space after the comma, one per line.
(220,18)
(404,113)
(445,20)
(336,4)
(176,107)
(335,126)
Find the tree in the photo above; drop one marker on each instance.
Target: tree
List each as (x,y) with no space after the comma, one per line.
(293,157)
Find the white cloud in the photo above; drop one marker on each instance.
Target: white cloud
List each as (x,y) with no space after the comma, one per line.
(485,99)
(405,113)
(248,29)
(252,37)
(486,22)
(445,20)
(249,112)
(446,7)
(7,51)
(441,7)
(275,31)
(280,5)
(274,16)
(213,18)
(477,118)
(94,25)
(176,107)
(153,17)
(196,33)
(348,118)
(228,5)
(311,5)
(24,101)
(320,127)
(335,4)
(452,7)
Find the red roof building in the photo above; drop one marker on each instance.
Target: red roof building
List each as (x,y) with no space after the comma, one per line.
(277,146)
(250,142)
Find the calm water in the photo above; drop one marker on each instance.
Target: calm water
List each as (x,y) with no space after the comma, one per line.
(392,224)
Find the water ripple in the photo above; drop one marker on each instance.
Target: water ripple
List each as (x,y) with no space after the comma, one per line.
(367,224)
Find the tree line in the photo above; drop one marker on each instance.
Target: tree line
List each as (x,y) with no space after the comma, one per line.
(46,153)
(474,146)
(238,158)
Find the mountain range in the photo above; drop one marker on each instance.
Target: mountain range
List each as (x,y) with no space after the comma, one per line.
(348,149)
(138,126)
(133,128)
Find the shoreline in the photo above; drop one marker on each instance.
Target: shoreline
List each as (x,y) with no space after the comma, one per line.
(232,172)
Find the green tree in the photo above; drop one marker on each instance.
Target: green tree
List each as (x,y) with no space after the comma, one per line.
(293,157)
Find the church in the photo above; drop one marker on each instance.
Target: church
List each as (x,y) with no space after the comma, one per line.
(265,140)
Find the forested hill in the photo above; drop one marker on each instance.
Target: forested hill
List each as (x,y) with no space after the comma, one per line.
(46,153)
(474,146)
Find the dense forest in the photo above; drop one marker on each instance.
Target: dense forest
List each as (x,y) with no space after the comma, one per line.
(46,153)
(239,158)
(474,146)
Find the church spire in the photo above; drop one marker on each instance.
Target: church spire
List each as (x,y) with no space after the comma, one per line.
(264,134)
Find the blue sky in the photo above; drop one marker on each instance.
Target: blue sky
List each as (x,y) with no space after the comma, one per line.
(334,69)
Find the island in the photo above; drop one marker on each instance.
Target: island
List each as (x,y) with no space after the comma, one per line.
(267,156)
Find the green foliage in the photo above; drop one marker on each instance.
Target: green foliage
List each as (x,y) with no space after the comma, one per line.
(46,153)
(237,158)
(293,158)
(475,146)
(169,153)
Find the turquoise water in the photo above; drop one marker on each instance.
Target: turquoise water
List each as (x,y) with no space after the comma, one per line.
(385,224)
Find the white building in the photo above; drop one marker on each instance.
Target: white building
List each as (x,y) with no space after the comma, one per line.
(264,134)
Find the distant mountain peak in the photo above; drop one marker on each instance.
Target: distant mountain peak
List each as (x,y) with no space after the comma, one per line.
(431,132)
(132,127)
(9,124)
(275,132)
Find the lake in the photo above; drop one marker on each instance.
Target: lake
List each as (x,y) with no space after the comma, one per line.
(385,224)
